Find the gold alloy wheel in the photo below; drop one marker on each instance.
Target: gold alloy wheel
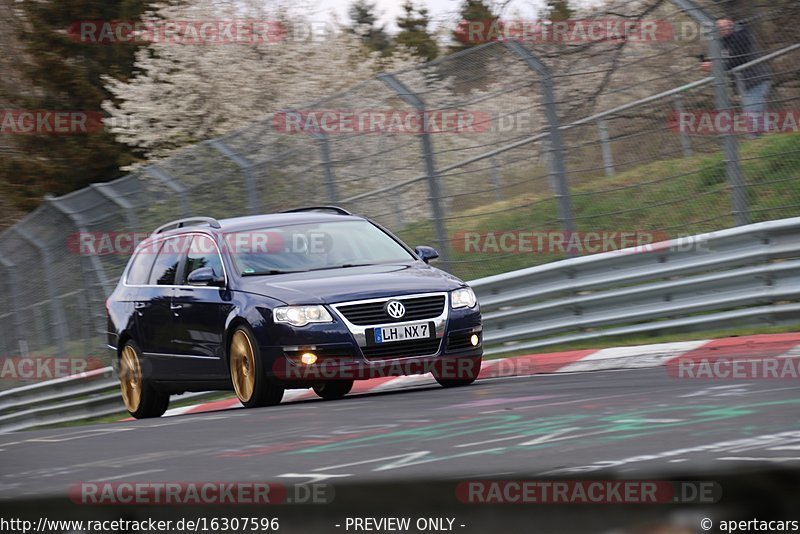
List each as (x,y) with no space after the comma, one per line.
(243,366)
(130,379)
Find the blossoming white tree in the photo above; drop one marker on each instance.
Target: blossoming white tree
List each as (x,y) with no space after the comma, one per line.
(186,92)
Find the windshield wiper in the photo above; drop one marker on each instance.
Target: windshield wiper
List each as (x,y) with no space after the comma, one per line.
(343,266)
(270,272)
(279,271)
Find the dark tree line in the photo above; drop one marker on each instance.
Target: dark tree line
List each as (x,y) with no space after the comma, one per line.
(47,69)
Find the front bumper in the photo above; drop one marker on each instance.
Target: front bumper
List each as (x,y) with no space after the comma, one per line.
(343,353)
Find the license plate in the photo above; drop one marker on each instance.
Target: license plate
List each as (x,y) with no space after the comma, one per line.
(390,334)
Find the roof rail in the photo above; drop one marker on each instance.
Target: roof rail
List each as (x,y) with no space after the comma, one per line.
(334,209)
(191,221)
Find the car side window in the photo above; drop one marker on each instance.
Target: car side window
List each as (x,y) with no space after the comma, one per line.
(202,253)
(141,265)
(165,267)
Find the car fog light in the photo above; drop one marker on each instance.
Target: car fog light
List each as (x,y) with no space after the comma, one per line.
(474,339)
(308,358)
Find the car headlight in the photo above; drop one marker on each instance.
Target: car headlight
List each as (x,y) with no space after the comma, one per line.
(463,298)
(301,315)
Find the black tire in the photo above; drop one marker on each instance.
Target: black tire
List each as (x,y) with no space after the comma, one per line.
(467,371)
(150,402)
(252,385)
(333,389)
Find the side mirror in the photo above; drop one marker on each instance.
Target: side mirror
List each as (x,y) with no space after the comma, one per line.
(205,276)
(426,254)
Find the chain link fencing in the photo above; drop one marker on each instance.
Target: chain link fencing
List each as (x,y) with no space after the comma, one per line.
(506,155)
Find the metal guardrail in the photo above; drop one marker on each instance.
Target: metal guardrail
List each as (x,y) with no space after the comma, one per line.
(60,400)
(89,395)
(748,275)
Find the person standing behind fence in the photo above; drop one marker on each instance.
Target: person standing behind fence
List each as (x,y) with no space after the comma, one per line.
(754,83)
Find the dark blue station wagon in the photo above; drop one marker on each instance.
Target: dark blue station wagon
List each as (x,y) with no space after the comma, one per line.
(311,298)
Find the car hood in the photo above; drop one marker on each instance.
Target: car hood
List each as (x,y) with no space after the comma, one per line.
(351,283)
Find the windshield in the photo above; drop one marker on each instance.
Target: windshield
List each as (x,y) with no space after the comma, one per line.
(307,247)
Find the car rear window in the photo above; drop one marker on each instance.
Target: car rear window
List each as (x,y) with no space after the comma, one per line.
(141,265)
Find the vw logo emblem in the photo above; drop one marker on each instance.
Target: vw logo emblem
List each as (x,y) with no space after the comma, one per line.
(395,309)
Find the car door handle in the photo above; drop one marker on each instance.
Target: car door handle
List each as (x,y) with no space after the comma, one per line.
(175,306)
(139,305)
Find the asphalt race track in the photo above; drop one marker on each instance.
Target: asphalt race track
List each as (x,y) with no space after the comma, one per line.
(409,453)
(633,423)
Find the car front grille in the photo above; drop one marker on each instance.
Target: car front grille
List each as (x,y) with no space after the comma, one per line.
(402,349)
(370,313)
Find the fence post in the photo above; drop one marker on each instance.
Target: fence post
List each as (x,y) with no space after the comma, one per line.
(95,267)
(730,149)
(497,179)
(558,167)
(686,141)
(11,280)
(107,190)
(605,146)
(94,261)
(246,166)
(56,306)
(411,98)
(160,174)
(38,319)
(327,164)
